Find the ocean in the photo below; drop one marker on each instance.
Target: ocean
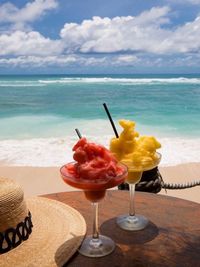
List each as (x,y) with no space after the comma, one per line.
(39,114)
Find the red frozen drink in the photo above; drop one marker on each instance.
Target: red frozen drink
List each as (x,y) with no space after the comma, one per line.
(95,169)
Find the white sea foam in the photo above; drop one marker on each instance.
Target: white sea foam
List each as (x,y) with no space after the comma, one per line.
(57,151)
(22,83)
(96,80)
(178,80)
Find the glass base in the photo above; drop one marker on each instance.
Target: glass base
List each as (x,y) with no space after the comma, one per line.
(132,223)
(97,247)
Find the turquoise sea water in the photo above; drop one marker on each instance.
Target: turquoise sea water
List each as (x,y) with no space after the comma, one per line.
(51,107)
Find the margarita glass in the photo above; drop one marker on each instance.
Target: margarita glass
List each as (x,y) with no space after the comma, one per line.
(95,245)
(132,221)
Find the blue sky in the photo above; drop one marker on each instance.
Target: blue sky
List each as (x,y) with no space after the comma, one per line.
(98,36)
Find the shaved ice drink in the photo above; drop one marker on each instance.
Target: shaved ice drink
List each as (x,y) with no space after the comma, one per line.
(95,169)
(135,151)
(139,154)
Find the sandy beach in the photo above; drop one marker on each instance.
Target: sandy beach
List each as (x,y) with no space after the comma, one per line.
(45,180)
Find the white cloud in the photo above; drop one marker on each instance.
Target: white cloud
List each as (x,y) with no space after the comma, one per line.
(145,39)
(62,61)
(31,43)
(185,39)
(145,33)
(57,60)
(9,13)
(37,61)
(66,60)
(117,34)
(125,60)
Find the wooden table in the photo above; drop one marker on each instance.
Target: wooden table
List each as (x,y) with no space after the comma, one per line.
(171,239)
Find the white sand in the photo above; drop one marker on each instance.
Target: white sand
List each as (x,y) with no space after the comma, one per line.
(45,180)
(183,173)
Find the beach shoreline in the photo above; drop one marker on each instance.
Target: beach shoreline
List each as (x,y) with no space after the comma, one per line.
(46,180)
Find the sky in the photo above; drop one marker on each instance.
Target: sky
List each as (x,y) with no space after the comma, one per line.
(99,36)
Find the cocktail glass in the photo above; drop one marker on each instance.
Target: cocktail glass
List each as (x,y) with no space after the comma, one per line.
(132,221)
(95,245)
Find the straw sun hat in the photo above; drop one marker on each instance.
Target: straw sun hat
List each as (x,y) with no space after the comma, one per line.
(36,232)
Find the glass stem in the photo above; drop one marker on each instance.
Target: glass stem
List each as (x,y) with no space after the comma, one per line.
(132,193)
(95,234)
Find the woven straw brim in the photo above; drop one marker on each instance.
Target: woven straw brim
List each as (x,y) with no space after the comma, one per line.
(57,232)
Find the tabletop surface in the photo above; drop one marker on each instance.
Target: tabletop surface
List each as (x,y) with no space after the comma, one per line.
(172,237)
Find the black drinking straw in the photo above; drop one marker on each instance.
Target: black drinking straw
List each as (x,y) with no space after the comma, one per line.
(78,133)
(111,120)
